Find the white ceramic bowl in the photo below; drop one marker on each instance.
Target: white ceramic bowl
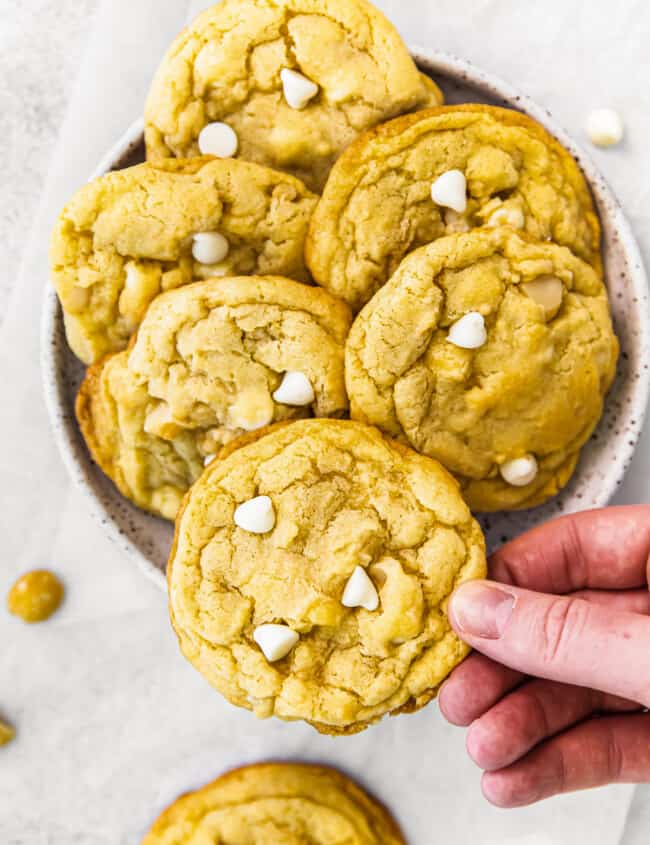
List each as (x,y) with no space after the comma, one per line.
(146,540)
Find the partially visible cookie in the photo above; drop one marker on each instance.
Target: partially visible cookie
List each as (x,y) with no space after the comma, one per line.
(310,574)
(133,233)
(278,804)
(295,81)
(492,353)
(210,361)
(496,166)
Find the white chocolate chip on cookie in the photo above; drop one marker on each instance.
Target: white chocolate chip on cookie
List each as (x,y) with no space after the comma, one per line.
(298,90)
(256,515)
(276,641)
(449,190)
(295,389)
(604,127)
(468,332)
(218,139)
(520,471)
(547,291)
(209,247)
(252,410)
(208,460)
(360,591)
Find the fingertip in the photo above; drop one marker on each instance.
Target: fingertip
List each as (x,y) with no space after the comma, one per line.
(481,745)
(505,790)
(451,704)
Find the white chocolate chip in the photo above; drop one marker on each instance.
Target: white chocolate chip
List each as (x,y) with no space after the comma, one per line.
(604,127)
(276,641)
(546,291)
(295,389)
(209,247)
(449,190)
(256,515)
(218,139)
(468,332)
(208,460)
(520,471)
(360,591)
(298,90)
(507,215)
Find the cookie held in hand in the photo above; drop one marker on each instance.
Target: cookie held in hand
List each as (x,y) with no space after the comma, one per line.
(310,573)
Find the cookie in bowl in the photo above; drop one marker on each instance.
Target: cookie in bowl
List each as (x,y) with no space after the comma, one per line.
(280,803)
(129,235)
(287,84)
(440,171)
(210,361)
(310,573)
(492,353)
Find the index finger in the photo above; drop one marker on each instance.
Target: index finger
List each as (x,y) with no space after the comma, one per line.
(600,549)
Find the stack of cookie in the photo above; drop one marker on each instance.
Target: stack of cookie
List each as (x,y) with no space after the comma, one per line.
(325,320)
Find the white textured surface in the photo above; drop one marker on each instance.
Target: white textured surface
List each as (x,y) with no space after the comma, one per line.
(112,723)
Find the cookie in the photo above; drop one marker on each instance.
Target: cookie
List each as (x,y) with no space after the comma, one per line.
(210,361)
(279,803)
(496,166)
(310,574)
(133,233)
(288,84)
(492,353)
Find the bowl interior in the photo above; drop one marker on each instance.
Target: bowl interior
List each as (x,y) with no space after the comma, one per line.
(147,540)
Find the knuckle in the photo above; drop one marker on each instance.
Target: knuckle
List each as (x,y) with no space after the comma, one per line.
(561,625)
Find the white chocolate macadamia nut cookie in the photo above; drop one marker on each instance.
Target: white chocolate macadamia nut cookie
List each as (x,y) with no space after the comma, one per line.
(293,82)
(205,367)
(492,353)
(132,234)
(337,614)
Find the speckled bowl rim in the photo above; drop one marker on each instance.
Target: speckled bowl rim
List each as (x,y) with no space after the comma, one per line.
(64,426)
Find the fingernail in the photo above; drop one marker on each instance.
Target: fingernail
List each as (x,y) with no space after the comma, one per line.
(480,610)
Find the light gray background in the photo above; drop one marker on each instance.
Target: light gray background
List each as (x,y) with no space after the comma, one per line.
(112,723)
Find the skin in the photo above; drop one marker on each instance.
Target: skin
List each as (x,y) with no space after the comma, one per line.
(554,700)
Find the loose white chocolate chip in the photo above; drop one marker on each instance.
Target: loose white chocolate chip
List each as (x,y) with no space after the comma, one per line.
(548,292)
(208,460)
(360,591)
(468,332)
(256,515)
(604,127)
(449,190)
(298,90)
(520,471)
(218,139)
(507,216)
(295,389)
(209,247)
(276,641)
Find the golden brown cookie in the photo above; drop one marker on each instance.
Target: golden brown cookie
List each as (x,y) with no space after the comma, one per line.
(492,353)
(295,81)
(378,206)
(310,574)
(133,233)
(210,361)
(277,804)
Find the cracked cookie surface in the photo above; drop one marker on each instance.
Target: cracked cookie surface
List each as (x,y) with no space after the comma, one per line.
(225,67)
(343,497)
(536,386)
(277,804)
(127,236)
(377,204)
(203,367)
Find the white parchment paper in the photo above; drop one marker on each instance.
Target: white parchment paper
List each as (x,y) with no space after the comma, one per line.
(112,723)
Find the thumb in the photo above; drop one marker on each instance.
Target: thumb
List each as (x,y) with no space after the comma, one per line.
(562,638)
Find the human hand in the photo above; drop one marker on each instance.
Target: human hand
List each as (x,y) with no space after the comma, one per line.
(554,702)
